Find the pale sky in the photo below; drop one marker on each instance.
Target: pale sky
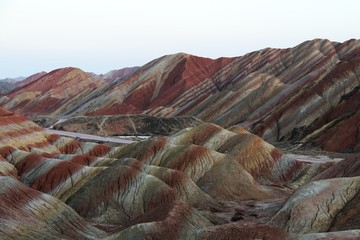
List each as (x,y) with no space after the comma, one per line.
(102,35)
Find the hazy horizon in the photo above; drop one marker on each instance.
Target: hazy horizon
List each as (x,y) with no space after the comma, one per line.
(100,36)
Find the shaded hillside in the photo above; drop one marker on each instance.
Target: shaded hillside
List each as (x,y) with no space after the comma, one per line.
(115,125)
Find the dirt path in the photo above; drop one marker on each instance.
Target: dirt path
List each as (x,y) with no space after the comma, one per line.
(90,137)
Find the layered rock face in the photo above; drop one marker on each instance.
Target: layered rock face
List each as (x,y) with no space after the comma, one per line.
(201,174)
(54,92)
(157,189)
(307,94)
(183,186)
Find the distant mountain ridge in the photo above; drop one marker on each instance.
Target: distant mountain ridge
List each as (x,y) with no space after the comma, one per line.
(9,84)
(308,93)
(12,80)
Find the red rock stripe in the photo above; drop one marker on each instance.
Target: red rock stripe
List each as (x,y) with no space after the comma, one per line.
(20,132)
(56,176)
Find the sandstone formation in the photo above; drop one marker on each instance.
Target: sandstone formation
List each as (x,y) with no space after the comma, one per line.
(57,91)
(210,174)
(29,214)
(138,191)
(54,92)
(308,93)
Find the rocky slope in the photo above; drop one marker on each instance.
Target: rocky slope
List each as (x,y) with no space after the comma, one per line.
(71,189)
(118,125)
(54,92)
(207,180)
(194,176)
(307,94)
(203,182)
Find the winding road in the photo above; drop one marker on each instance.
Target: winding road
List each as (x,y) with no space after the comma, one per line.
(84,136)
(312,158)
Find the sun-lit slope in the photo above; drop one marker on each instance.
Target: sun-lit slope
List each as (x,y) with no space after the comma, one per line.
(54,92)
